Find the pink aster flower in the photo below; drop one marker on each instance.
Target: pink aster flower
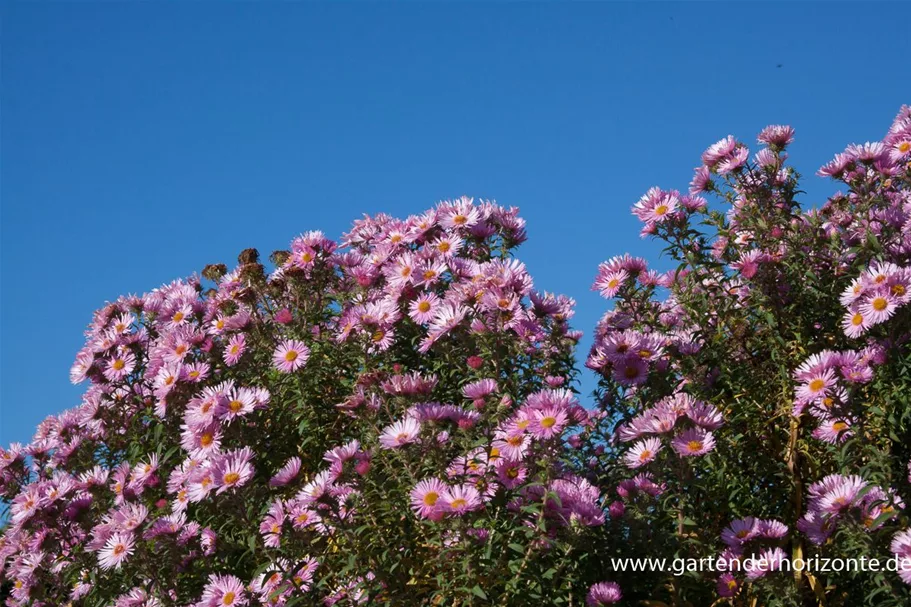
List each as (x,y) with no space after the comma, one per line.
(116,550)
(461,499)
(777,135)
(232,470)
(642,452)
(655,206)
(237,403)
(400,433)
(424,308)
(879,307)
(237,345)
(816,386)
(224,591)
(728,585)
(843,495)
(426,498)
(901,548)
(608,283)
(208,539)
(287,473)
(769,560)
(479,389)
(718,150)
(855,323)
(290,355)
(733,162)
(120,365)
(692,442)
(740,531)
(832,430)
(547,423)
(511,473)
(603,593)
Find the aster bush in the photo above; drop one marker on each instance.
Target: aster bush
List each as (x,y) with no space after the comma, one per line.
(380,421)
(392,419)
(755,398)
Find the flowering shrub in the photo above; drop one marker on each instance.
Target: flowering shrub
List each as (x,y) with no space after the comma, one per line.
(392,420)
(755,397)
(379,423)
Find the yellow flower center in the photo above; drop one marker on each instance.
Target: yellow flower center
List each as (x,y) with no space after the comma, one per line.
(428,274)
(661,209)
(424,306)
(459,220)
(430,498)
(178,316)
(119,549)
(694,445)
(378,335)
(206,439)
(290,356)
(817,384)
(904,147)
(548,422)
(457,503)
(839,426)
(512,472)
(235,406)
(307,257)
(444,247)
(231,477)
(898,290)
(857,319)
(119,364)
(880,303)
(228,599)
(645,455)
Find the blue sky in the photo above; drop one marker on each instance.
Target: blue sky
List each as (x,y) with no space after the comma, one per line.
(141,141)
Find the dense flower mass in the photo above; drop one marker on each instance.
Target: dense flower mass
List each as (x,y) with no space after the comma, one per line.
(392,419)
(763,378)
(259,437)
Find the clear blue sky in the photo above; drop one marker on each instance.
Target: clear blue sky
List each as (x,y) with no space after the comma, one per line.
(141,141)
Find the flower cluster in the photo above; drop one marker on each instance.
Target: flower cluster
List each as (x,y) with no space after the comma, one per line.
(747,550)
(242,429)
(836,497)
(792,322)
